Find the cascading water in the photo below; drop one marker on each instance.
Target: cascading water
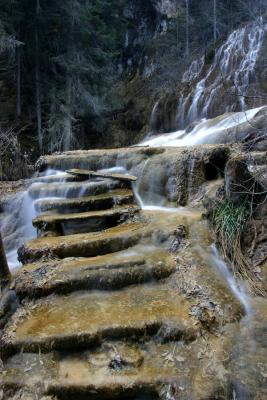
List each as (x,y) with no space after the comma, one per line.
(217,130)
(237,289)
(19,211)
(151,204)
(222,87)
(230,72)
(152,121)
(245,360)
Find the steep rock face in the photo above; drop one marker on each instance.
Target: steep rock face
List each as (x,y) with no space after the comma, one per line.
(231,79)
(146,49)
(162,93)
(147,20)
(167,7)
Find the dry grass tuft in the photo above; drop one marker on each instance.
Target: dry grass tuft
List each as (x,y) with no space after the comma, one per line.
(229,220)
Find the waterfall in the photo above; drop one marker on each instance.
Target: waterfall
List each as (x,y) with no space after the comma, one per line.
(194,70)
(153,119)
(237,290)
(227,128)
(227,80)
(19,211)
(243,350)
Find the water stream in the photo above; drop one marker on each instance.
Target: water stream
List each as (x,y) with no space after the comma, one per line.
(19,211)
(244,350)
(206,131)
(233,65)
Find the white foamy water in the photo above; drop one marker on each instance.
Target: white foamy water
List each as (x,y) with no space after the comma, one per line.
(237,288)
(205,132)
(19,212)
(233,66)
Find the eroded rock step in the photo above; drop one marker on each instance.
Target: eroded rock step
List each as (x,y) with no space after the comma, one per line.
(83,204)
(108,272)
(118,370)
(83,244)
(73,189)
(84,319)
(99,243)
(59,177)
(91,221)
(95,159)
(90,174)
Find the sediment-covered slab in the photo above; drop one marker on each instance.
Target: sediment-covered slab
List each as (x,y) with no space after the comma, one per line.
(72,189)
(118,370)
(108,272)
(59,177)
(83,318)
(93,159)
(83,245)
(89,203)
(91,221)
(160,226)
(94,174)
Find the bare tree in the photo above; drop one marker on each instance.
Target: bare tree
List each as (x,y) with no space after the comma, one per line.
(37,77)
(68,119)
(187,28)
(18,77)
(214,21)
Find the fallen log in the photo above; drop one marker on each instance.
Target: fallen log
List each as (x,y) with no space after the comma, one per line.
(89,174)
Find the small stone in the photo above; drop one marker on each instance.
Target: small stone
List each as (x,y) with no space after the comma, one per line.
(180,359)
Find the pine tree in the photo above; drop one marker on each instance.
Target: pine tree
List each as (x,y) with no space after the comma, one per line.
(83,69)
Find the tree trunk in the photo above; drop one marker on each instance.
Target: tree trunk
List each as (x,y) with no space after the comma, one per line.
(68,117)
(18,78)
(5,275)
(187,29)
(68,125)
(214,21)
(37,79)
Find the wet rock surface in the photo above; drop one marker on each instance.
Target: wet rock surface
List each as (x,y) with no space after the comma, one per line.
(136,309)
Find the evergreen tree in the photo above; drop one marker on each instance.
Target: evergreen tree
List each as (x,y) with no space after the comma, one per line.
(59,60)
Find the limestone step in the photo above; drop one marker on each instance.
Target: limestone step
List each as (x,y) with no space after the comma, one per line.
(89,203)
(72,189)
(118,370)
(82,244)
(59,177)
(160,227)
(96,159)
(90,174)
(84,319)
(91,221)
(108,272)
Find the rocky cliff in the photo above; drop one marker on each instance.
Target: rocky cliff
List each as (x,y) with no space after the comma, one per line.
(163,91)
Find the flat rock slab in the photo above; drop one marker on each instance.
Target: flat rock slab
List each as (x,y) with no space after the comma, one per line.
(123,370)
(90,221)
(59,177)
(83,244)
(99,158)
(160,226)
(89,203)
(89,174)
(109,272)
(83,319)
(72,189)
